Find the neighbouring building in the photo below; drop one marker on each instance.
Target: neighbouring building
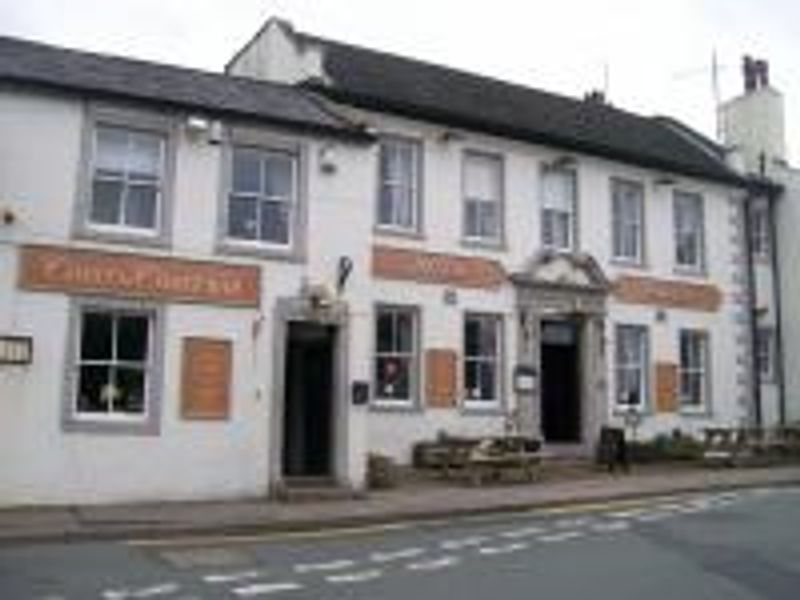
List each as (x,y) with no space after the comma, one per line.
(214,285)
(753,130)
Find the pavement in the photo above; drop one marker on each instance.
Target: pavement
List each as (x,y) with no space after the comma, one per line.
(414,503)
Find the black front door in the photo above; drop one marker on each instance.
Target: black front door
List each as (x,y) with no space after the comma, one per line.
(308,402)
(560,382)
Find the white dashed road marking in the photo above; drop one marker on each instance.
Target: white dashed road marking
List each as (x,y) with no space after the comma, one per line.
(507,549)
(357,577)
(231,577)
(611,526)
(522,533)
(334,565)
(261,589)
(434,565)
(463,542)
(652,517)
(154,591)
(567,523)
(396,555)
(561,537)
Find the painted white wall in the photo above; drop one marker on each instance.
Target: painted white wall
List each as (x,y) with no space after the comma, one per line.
(753,123)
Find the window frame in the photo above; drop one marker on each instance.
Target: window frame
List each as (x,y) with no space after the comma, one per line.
(572,229)
(415,373)
(700,266)
(149,422)
(643,365)
(497,240)
(760,231)
(416,184)
(765,345)
(617,223)
(704,406)
(484,404)
(135,120)
(268,142)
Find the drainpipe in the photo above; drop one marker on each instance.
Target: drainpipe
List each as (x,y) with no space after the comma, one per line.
(776,293)
(751,292)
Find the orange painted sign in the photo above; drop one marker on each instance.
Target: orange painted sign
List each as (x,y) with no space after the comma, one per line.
(53,268)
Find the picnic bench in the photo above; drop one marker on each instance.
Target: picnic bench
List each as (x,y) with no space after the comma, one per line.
(490,459)
(738,446)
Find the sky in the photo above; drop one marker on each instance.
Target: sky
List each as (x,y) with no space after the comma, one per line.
(649,57)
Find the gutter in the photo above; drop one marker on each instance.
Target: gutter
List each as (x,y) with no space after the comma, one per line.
(776,294)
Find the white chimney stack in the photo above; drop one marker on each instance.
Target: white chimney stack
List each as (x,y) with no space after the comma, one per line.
(753,124)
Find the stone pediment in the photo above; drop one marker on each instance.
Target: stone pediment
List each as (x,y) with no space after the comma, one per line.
(566,271)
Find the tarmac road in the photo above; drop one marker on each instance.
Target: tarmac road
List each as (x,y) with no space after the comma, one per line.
(737,545)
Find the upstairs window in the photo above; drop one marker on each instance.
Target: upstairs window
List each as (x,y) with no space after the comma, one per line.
(396,362)
(765,353)
(263,197)
(559,197)
(127,179)
(483,197)
(760,238)
(694,356)
(482,368)
(627,199)
(689,231)
(399,175)
(631,366)
(113,364)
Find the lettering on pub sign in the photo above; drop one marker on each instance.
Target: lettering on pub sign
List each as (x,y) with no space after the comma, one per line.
(53,268)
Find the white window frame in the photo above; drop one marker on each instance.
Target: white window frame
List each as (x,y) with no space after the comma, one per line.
(702,369)
(622,220)
(412,182)
(496,238)
(260,198)
(411,356)
(495,359)
(127,181)
(765,355)
(642,366)
(682,228)
(546,209)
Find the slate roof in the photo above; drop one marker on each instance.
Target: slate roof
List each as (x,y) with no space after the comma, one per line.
(96,75)
(375,80)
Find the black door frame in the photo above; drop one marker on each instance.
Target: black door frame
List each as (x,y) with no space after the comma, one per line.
(576,427)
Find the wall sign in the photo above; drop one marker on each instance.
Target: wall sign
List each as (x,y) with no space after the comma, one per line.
(360,393)
(524,379)
(16,350)
(52,268)
(206,378)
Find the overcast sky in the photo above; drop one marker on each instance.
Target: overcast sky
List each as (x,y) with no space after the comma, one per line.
(657,55)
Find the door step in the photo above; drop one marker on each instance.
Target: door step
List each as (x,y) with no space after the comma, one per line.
(297,490)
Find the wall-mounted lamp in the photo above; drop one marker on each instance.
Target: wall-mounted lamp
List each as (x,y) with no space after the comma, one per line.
(7,217)
(199,127)
(327,159)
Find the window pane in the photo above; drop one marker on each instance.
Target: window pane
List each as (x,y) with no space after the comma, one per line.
(92,381)
(140,206)
(393,377)
(242,218)
(405,332)
(144,157)
(278,176)
(482,177)
(106,202)
(386,204)
(472,334)
(111,149)
(385,332)
(130,390)
(488,219)
(488,382)
(132,336)
(274,222)
(246,171)
(472,379)
(558,190)
(96,336)
(472,219)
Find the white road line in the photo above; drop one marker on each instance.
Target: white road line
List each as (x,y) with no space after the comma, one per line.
(653,517)
(507,549)
(357,577)
(162,589)
(567,523)
(463,542)
(435,564)
(522,533)
(334,565)
(261,589)
(231,577)
(628,514)
(611,526)
(382,557)
(561,537)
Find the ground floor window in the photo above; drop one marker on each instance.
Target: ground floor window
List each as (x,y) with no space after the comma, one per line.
(482,365)
(113,363)
(396,362)
(765,348)
(694,355)
(631,366)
